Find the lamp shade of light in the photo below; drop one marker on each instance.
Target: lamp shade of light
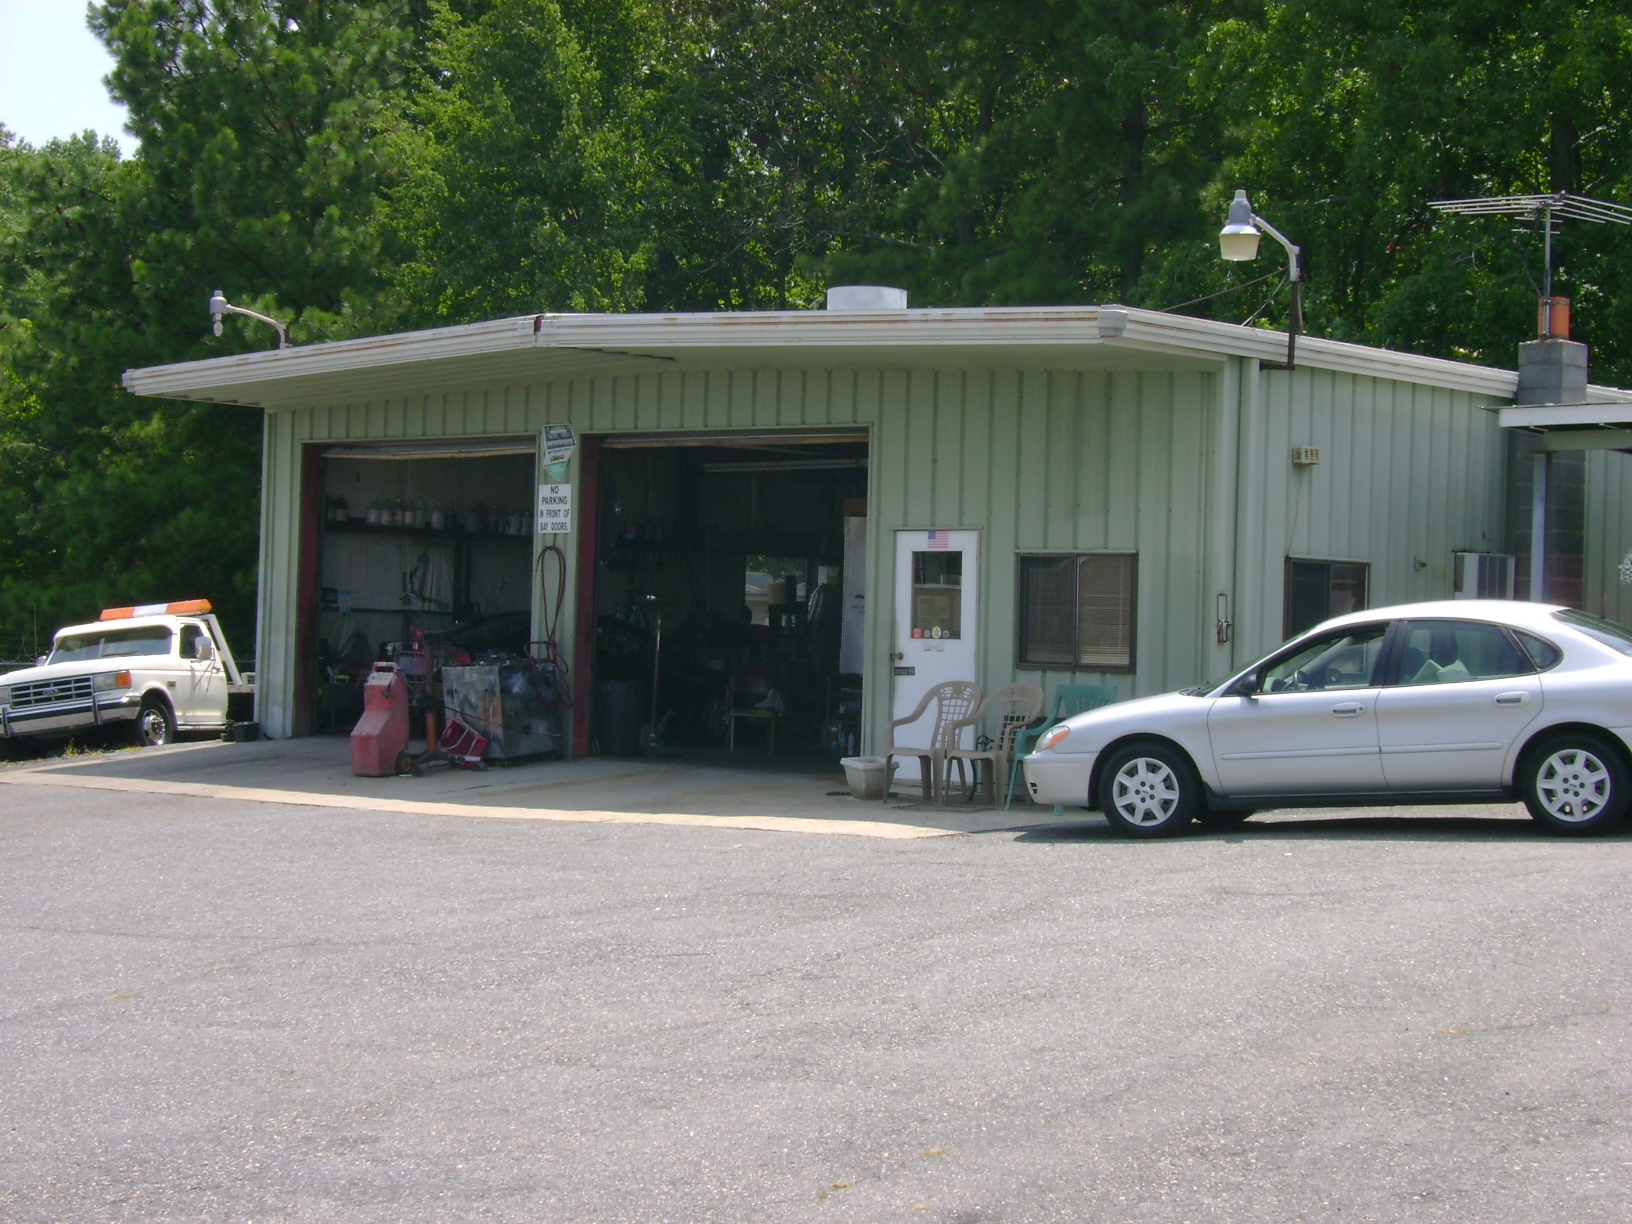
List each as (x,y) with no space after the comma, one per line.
(1238,240)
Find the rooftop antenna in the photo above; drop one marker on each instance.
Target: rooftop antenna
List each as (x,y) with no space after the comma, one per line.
(1553,318)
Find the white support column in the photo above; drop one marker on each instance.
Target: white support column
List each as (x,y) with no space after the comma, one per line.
(1540,464)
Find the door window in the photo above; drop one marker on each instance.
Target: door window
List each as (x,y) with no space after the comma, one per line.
(937,594)
(190,636)
(1446,652)
(1342,660)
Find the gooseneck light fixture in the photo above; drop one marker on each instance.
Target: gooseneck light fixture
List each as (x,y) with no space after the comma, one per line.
(219,306)
(1238,243)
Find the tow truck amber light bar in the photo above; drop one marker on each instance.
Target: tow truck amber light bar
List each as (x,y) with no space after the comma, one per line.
(185,607)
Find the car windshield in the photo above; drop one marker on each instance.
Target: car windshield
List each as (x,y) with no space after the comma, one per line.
(1606,633)
(111,644)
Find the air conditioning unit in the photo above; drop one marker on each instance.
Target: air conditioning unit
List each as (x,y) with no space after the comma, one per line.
(1484,575)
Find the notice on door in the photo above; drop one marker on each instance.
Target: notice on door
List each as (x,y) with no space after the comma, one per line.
(554,509)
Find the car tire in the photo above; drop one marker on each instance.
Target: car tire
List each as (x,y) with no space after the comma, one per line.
(1576,783)
(1149,789)
(155,724)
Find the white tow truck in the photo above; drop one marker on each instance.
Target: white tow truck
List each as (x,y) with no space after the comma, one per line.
(157,668)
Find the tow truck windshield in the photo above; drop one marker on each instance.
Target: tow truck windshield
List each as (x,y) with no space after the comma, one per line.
(111,644)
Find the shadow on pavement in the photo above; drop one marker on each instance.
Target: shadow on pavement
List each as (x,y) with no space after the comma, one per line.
(1418,825)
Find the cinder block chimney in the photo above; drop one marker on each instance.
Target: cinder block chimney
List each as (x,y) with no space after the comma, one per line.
(1552,370)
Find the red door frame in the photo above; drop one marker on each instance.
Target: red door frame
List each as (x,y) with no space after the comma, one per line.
(311,525)
(583,625)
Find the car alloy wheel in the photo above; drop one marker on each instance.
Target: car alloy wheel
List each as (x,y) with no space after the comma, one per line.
(1149,790)
(1576,785)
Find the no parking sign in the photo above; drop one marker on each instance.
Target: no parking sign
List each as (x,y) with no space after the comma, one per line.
(554,509)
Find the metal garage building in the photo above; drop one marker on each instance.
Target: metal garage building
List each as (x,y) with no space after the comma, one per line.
(1131,498)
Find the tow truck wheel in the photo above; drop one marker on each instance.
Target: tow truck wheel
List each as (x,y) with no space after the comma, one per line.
(155,725)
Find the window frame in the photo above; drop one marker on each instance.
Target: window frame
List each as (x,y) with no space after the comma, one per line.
(1023,664)
(1287,630)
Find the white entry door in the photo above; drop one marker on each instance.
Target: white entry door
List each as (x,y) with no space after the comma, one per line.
(935,621)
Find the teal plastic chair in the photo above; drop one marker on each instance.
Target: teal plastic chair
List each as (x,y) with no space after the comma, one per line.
(1069,699)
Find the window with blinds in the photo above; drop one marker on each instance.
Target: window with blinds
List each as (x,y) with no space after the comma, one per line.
(1076,611)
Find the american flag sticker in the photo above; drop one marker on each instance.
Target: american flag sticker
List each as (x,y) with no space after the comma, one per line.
(938,539)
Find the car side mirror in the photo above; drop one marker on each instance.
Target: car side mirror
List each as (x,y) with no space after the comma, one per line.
(204,651)
(1249,685)
(39,660)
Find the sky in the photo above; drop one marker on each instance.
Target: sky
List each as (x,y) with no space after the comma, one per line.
(51,70)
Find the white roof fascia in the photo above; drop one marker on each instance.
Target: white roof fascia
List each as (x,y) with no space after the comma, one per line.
(1546,416)
(243,369)
(621,337)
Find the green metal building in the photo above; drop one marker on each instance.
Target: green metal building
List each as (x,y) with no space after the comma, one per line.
(1140,499)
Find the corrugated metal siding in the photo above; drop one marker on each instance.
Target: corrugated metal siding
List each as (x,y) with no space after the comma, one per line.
(1039,460)
(1609,534)
(1408,474)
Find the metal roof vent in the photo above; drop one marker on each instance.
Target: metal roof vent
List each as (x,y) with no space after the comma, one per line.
(866,297)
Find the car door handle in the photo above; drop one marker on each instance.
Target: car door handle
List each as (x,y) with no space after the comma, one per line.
(1348,709)
(1512,698)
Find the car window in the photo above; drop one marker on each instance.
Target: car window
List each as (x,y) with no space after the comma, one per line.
(112,644)
(1606,633)
(1542,652)
(1339,660)
(1448,652)
(189,641)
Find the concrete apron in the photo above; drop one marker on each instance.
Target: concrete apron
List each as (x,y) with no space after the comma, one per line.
(316,772)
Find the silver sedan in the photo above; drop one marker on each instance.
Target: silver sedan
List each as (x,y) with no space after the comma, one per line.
(1463,701)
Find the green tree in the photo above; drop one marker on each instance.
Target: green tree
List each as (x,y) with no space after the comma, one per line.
(1349,117)
(522,162)
(257,174)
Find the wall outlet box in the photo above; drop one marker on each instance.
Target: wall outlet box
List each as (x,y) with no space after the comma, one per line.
(1305,456)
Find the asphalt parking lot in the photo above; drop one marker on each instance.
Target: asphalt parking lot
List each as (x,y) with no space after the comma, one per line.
(230,1011)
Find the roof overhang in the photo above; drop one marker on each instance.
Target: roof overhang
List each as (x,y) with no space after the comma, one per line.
(1603,422)
(547,346)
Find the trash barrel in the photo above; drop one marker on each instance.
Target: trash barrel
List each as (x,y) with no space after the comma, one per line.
(620,710)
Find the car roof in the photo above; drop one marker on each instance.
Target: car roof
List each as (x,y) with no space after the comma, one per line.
(1519,612)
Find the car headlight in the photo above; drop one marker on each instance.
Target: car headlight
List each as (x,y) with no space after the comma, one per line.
(106,682)
(1054,736)
(5,695)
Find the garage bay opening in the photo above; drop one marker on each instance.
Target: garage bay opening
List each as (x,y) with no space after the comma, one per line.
(729,595)
(425,563)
